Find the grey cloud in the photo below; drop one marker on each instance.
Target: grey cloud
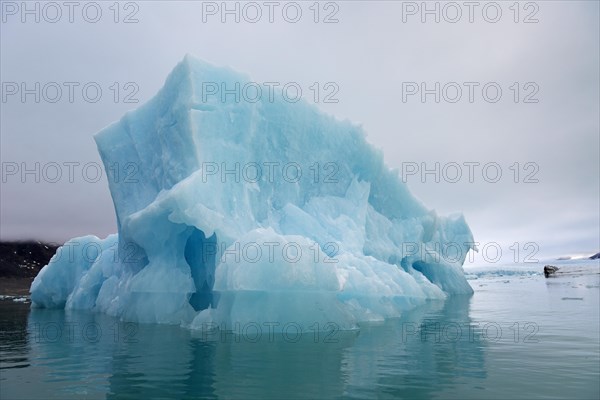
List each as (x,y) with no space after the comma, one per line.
(369,54)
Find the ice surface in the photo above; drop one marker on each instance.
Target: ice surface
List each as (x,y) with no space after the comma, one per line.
(233,211)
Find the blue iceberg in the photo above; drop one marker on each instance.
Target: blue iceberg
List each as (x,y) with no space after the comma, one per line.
(233,211)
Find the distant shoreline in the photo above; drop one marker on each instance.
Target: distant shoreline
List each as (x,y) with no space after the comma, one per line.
(20,262)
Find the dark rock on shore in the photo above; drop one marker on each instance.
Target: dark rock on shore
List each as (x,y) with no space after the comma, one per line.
(595,256)
(20,262)
(24,259)
(550,270)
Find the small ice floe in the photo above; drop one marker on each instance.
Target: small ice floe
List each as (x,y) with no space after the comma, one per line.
(20,300)
(15,299)
(522,272)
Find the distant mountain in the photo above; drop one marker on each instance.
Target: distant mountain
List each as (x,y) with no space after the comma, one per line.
(24,259)
(579,257)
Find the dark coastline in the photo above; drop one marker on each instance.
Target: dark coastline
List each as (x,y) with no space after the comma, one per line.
(20,262)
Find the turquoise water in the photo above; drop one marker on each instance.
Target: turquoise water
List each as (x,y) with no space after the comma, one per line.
(519,336)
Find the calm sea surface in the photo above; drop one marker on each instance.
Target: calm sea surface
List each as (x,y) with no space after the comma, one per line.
(520,336)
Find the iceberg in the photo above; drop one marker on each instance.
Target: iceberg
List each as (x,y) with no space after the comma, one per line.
(252,211)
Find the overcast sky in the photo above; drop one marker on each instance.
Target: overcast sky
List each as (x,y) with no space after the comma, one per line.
(546,120)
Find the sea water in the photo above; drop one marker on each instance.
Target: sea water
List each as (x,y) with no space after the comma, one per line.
(520,335)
